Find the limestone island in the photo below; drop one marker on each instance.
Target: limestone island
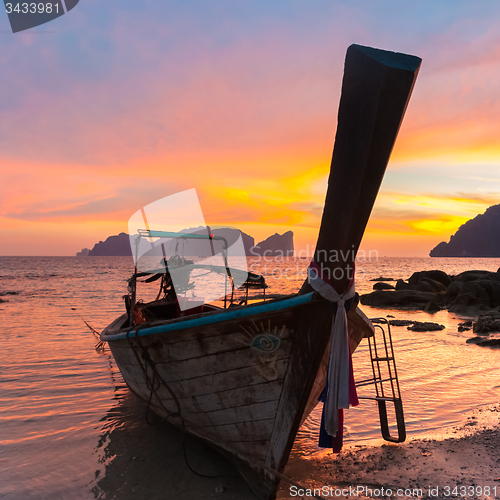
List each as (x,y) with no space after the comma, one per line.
(478,237)
(276,245)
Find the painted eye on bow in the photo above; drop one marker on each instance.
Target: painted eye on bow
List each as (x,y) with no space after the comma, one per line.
(265,342)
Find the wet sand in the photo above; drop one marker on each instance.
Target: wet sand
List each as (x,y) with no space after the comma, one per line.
(156,462)
(463,456)
(144,461)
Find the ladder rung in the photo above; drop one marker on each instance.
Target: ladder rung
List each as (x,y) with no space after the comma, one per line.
(383,359)
(373,381)
(368,380)
(378,398)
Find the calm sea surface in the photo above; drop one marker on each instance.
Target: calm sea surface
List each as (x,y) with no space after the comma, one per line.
(70,429)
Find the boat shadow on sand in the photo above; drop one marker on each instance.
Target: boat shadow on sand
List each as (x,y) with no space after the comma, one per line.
(139,460)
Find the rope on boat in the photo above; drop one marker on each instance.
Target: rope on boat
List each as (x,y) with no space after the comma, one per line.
(99,347)
(341,389)
(153,385)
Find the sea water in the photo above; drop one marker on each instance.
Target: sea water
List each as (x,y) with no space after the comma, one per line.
(71,429)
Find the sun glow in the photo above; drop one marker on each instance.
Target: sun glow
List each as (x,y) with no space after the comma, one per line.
(249,122)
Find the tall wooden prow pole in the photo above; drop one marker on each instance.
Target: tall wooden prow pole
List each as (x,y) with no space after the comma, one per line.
(376,89)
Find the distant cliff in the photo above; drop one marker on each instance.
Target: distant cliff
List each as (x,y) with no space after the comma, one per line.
(119,245)
(84,253)
(276,245)
(116,246)
(478,237)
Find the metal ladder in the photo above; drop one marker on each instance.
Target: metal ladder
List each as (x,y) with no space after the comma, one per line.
(384,372)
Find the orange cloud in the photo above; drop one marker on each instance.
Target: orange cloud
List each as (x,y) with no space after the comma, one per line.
(250,124)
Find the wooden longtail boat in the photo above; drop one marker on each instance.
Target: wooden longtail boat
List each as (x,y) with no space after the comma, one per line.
(243,379)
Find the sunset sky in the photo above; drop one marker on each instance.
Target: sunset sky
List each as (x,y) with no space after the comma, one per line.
(119,103)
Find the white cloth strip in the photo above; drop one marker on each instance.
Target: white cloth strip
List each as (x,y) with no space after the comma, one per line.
(337,395)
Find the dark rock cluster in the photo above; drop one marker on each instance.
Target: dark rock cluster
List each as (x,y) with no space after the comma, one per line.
(488,342)
(469,293)
(487,323)
(465,326)
(383,286)
(425,326)
(486,328)
(416,326)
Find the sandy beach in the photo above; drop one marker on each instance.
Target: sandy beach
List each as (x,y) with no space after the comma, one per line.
(459,462)
(453,460)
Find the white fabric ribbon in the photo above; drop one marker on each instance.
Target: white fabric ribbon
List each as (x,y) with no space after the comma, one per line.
(338,376)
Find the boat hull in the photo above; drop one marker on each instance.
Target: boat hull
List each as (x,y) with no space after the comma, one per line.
(240,382)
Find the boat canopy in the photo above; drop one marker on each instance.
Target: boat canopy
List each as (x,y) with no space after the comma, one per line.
(209,273)
(147,233)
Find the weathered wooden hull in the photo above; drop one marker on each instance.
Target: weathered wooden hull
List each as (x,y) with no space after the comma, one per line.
(241,384)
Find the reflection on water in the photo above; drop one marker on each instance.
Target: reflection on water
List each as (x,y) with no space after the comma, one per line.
(148,461)
(70,429)
(441,377)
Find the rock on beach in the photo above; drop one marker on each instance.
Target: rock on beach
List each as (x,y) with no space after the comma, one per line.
(383,286)
(469,293)
(425,326)
(411,299)
(487,323)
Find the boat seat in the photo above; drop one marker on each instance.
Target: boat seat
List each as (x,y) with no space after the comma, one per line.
(160,310)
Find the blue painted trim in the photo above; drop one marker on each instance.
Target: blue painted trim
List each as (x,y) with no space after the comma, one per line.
(210,319)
